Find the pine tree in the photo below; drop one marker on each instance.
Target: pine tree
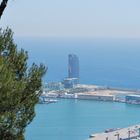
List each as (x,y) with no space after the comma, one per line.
(20,88)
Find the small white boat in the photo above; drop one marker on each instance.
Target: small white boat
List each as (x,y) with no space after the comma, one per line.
(47,101)
(51,100)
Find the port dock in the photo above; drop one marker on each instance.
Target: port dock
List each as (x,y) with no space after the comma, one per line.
(129,133)
(92,92)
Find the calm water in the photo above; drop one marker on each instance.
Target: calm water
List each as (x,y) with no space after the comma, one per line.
(102,62)
(76,120)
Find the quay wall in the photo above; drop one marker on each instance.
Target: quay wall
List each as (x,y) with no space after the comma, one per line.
(95,97)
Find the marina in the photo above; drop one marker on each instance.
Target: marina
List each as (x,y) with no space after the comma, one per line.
(92,92)
(45,100)
(98,93)
(70,119)
(77,119)
(95,93)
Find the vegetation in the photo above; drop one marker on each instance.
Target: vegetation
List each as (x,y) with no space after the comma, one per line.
(20,88)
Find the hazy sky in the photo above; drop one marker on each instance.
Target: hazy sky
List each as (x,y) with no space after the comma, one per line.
(73,18)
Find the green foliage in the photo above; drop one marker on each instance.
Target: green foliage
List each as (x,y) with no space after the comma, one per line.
(20,88)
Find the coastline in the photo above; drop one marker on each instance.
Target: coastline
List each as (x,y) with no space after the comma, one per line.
(129,133)
(93,92)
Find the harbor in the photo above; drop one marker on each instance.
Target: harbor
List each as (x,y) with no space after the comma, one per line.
(99,93)
(129,133)
(74,119)
(91,92)
(71,88)
(44,100)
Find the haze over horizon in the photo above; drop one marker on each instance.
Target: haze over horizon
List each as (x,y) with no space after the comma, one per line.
(73,19)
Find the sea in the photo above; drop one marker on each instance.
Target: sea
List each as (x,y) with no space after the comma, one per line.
(104,62)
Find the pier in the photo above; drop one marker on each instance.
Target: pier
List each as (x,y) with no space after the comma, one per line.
(129,133)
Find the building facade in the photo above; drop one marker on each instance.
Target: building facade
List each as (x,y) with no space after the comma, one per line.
(133,99)
(95,97)
(73,66)
(70,82)
(54,86)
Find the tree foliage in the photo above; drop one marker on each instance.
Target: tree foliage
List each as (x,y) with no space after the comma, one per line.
(20,88)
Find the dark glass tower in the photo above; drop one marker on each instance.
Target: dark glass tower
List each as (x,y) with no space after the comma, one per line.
(73,66)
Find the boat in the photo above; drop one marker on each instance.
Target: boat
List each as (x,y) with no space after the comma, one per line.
(52,100)
(111,130)
(47,101)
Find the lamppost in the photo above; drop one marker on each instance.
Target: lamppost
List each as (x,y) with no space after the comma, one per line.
(129,133)
(139,131)
(106,138)
(118,136)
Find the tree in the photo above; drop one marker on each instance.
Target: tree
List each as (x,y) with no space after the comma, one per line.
(3,6)
(20,88)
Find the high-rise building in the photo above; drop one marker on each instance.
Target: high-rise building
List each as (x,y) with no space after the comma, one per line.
(73,66)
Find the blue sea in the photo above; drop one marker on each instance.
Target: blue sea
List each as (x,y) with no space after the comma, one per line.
(106,62)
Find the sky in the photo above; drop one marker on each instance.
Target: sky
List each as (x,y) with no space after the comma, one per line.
(73,18)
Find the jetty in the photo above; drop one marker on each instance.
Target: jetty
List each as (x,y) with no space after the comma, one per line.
(129,133)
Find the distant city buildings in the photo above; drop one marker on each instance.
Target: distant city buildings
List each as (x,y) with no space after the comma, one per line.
(134,99)
(70,82)
(73,66)
(54,86)
(73,75)
(73,71)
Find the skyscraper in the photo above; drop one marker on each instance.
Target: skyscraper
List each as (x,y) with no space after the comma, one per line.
(73,66)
